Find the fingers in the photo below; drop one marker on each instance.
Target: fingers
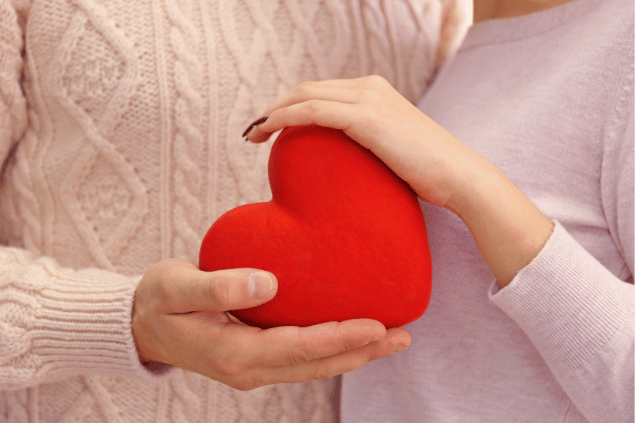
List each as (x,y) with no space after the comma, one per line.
(325,103)
(246,357)
(342,91)
(395,340)
(192,333)
(244,348)
(182,288)
(224,290)
(332,114)
(293,345)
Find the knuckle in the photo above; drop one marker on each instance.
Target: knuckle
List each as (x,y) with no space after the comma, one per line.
(321,372)
(374,89)
(169,269)
(301,352)
(299,355)
(165,276)
(313,106)
(230,368)
(219,291)
(152,298)
(376,81)
(303,89)
(247,384)
(345,343)
(162,294)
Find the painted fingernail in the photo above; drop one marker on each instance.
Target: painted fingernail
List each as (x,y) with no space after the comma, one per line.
(260,285)
(254,124)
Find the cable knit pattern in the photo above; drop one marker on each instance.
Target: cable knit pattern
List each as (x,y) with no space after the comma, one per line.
(101,189)
(12,104)
(188,142)
(23,226)
(130,151)
(41,329)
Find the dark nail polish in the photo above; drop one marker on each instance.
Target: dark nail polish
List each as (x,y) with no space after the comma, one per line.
(254,124)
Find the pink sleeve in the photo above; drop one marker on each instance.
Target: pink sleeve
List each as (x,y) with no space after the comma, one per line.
(579,315)
(580,318)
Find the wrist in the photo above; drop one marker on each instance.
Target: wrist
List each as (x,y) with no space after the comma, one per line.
(508,228)
(472,183)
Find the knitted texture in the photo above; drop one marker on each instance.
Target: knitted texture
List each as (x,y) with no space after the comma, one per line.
(128,151)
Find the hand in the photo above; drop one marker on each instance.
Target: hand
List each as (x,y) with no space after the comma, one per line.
(371,112)
(508,228)
(179,319)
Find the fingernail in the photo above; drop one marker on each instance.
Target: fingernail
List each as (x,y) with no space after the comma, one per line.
(399,347)
(254,124)
(260,285)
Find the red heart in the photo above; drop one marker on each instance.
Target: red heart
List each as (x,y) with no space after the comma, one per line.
(343,234)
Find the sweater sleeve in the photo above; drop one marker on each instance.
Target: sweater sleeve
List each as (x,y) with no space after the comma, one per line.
(577,313)
(56,322)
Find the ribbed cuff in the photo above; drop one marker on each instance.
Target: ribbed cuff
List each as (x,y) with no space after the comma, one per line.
(66,323)
(567,303)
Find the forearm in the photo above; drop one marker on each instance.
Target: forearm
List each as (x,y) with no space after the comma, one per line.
(508,228)
(577,313)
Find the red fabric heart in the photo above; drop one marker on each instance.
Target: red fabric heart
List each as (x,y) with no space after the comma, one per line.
(343,234)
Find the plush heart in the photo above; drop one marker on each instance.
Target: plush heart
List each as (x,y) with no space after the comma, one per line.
(343,234)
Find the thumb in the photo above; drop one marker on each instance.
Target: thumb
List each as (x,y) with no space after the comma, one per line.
(223,290)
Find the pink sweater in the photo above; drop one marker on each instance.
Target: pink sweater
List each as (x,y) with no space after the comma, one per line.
(121,128)
(548,98)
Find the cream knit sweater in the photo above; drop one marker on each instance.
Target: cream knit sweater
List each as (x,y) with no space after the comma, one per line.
(120,129)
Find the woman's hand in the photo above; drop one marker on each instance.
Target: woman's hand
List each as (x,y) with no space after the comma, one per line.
(371,112)
(179,319)
(507,227)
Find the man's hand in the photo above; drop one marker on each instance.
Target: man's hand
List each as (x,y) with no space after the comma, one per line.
(179,319)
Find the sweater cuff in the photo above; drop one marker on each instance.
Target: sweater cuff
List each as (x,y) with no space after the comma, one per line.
(85,326)
(68,323)
(568,304)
